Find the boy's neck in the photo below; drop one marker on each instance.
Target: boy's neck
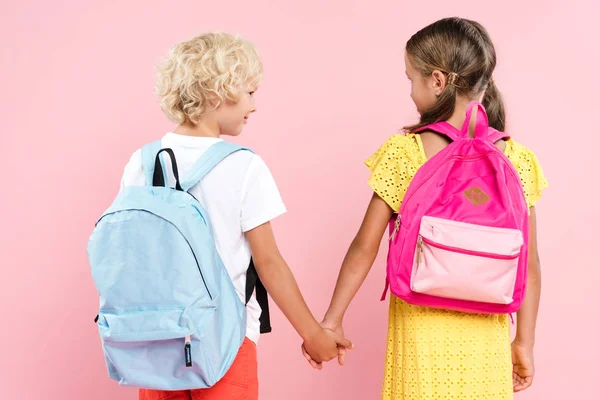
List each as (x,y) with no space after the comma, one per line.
(202,129)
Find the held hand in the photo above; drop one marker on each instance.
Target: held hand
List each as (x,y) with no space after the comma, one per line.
(337,332)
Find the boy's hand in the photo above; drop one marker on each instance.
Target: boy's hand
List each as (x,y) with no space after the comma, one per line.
(324,345)
(341,349)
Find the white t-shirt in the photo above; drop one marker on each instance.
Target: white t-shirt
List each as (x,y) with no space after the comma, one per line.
(239,194)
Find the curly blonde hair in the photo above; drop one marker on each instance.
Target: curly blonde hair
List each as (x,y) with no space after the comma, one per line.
(199,74)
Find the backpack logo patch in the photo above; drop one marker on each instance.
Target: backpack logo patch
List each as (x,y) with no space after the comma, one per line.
(476,196)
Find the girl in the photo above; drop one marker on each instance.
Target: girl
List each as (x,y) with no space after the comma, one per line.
(434,353)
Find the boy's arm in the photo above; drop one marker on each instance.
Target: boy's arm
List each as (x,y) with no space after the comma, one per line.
(282,287)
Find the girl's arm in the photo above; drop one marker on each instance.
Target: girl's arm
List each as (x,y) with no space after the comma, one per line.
(522,347)
(358,260)
(527,315)
(279,281)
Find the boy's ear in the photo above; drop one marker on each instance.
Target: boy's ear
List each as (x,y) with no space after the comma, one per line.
(214,102)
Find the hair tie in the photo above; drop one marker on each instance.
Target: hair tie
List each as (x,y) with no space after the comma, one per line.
(452,77)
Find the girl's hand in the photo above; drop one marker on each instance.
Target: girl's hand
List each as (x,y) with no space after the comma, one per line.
(523,368)
(337,328)
(323,344)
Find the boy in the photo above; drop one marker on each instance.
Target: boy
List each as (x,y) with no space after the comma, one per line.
(206,86)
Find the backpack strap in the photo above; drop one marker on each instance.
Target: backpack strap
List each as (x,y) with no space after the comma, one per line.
(159,178)
(495,135)
(149,154)
(441,127)
(446,129)
(481,122)
(211,157)
(253,281)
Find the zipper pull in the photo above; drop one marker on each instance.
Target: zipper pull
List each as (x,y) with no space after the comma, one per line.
(396,228)
(419,249)
(188,351)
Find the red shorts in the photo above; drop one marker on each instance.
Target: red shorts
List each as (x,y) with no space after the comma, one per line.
(239,383)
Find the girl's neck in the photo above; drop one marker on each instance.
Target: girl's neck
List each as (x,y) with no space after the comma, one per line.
(458,116)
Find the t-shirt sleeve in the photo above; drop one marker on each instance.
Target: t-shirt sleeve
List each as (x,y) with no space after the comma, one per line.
(530,171)
(261,200)
(392,170)
(133,174)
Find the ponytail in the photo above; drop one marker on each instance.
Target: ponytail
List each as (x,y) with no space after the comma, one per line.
(494,106)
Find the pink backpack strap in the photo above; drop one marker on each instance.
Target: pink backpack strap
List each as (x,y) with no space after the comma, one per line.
(495,135)
(441,127)
(481,122)
(444,128)
(482,125)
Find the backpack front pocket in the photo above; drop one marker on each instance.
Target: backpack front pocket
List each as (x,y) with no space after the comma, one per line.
(149,348)
(465,261)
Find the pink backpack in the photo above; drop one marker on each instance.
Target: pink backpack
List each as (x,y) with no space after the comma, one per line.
(461,237)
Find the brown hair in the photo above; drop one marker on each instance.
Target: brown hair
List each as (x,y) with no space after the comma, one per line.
(463,51)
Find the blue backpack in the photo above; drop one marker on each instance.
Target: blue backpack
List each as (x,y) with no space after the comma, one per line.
(169,317)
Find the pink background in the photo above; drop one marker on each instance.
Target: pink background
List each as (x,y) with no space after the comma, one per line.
(77,99)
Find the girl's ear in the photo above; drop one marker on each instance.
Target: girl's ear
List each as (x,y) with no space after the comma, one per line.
(438,82)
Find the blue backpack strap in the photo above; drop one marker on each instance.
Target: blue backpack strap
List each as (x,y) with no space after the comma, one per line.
(211,157)
(149,153)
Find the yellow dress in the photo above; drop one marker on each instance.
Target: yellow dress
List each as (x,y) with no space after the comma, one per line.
(438,354)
